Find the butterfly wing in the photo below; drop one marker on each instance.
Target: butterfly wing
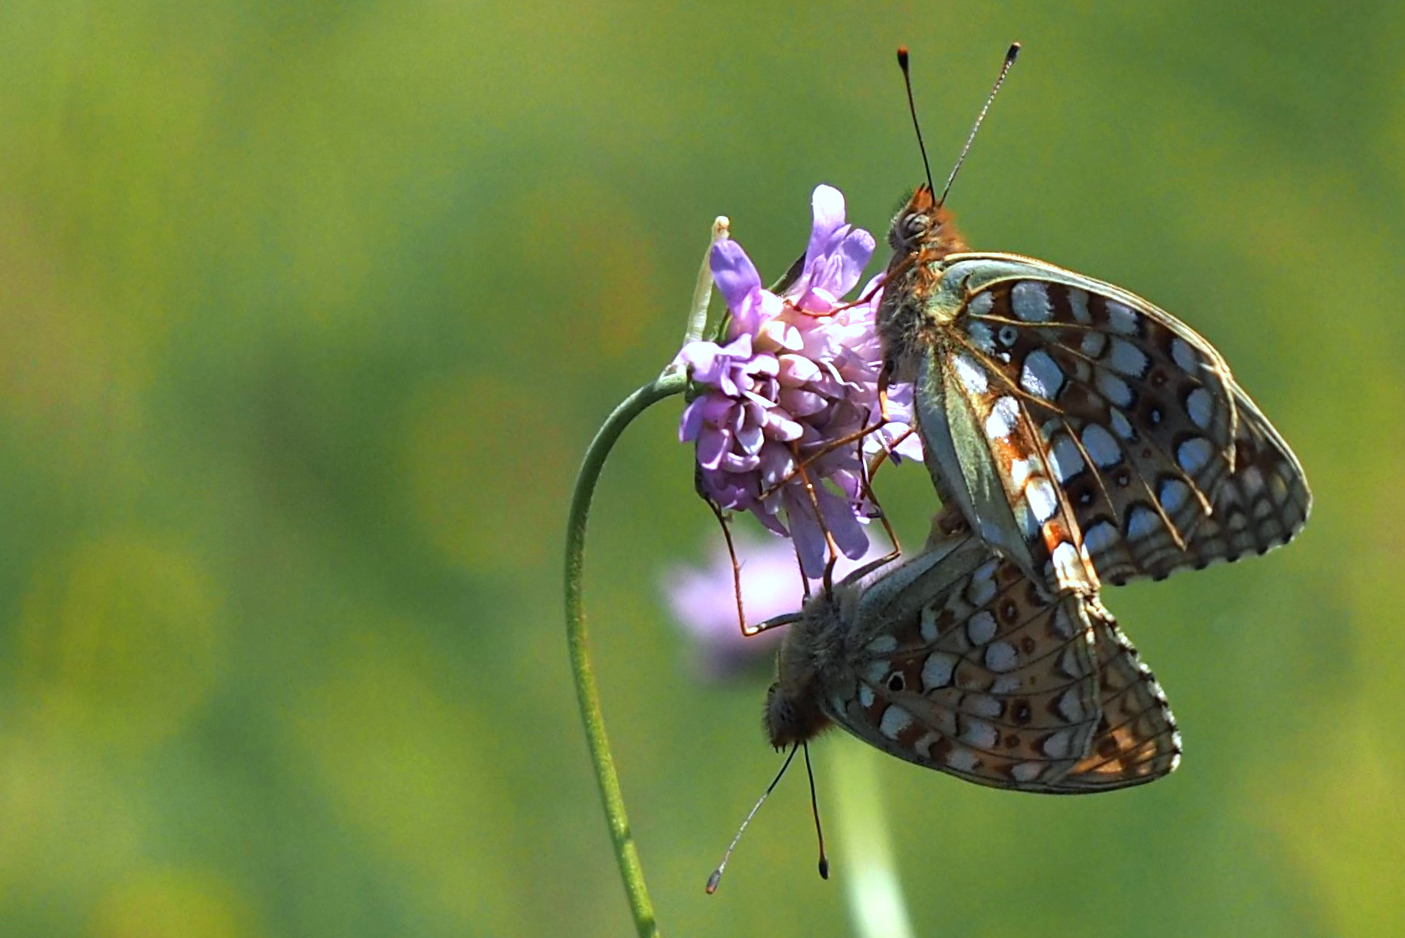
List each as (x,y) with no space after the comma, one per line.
(1120,425)
(1262,505)
(1136,740)
(977,674)
(992,682)
(985,456)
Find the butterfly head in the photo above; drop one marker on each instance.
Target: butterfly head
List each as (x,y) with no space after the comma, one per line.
(922,227)
(921,236)
(793,714)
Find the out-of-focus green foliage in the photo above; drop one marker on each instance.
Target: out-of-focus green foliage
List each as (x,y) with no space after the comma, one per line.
(307,311)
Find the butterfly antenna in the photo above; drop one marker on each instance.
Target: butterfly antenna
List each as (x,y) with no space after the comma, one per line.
(912,108)
(1010,55)
(815,810)
(716,876)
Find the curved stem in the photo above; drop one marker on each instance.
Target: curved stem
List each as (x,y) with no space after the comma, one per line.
(587,693)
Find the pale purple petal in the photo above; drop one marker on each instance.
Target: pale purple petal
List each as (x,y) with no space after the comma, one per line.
(703,602)
(711,410)
(692,421)
(795,370)
(737,463)
(762,307)
(801,403)
(843,525)
(719,410)
(777,334)
(817,299)
(849,535)
(853,255)
(712,447)
(764,363)
(780,427)
(733,272)
(777,463)
(827,211)
(810,545)
(709,363)
(801,373)
(750,438)
(700,357)
(910,447)
(755,410)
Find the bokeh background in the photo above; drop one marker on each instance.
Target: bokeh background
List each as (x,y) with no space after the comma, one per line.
(308,310)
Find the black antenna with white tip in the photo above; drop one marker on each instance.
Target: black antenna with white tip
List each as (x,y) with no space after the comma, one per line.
(1010,55)
(716,878)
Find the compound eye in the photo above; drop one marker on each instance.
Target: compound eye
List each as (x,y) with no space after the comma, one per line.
(908,231)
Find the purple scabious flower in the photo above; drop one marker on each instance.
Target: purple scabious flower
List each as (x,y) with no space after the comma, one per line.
(799,370)
(703,602)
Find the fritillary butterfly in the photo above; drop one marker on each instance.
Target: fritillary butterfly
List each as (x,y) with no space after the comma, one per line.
(1082,431)
(955,660)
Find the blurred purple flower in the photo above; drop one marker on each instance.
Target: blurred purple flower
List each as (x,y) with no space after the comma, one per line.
(703,601)
(799,371)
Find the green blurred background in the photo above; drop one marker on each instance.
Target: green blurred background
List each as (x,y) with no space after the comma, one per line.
(308,310)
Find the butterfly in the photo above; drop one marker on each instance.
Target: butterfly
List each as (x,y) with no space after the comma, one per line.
(955,660)
(1079,428)
(1084,432)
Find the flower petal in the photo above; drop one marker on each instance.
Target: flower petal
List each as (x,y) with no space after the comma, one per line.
(777,463)
(802,403)
(733,272)
(700,357)
(853,255)
(780,427)
(843,525)
(910,447)
(712,447)
(738,463)
(827,212)
(795,370)
(749,439)
(778,334)
(690,424)
(810,545)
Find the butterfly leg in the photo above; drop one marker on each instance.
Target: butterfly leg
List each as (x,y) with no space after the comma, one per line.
(789,618)
(736,567)
(882,456)
(885,379)
(823,451)
(868,492)
(884,418)
(830,546)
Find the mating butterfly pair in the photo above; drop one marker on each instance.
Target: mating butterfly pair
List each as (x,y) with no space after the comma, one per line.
(1075,433)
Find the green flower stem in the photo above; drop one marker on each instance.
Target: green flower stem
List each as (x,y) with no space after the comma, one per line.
(875,898)
(587,694)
